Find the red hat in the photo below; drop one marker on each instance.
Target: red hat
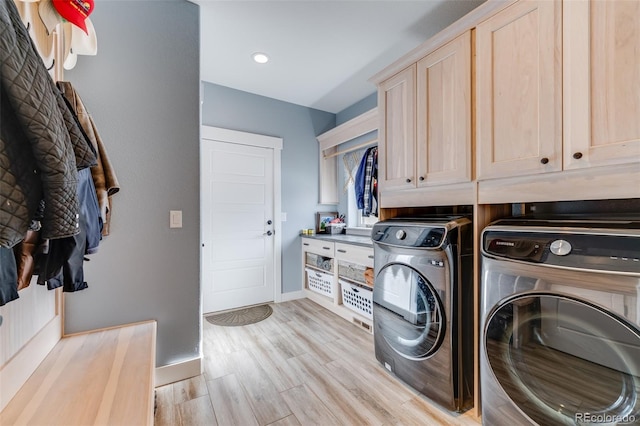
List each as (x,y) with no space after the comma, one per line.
(75,11)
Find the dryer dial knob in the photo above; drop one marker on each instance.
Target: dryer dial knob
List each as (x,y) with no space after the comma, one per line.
(560,247)
(401,235)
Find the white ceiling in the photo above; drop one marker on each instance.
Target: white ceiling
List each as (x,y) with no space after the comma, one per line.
(322,52)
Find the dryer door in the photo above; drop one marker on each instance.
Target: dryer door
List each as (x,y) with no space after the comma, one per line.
(407,311)
(563,360)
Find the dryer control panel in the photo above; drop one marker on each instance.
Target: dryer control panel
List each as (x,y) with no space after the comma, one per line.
(570,248)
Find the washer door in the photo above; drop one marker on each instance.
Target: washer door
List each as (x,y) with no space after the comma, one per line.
(407,312)
(564,361)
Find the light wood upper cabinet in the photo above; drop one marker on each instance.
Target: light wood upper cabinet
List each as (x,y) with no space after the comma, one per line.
(396,150)
(554,112)
(519,90)
(426,120)
(601,83)
(444,114)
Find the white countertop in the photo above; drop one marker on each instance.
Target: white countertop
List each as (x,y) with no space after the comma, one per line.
(358,240)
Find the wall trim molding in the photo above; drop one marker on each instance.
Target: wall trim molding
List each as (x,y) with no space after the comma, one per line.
(361,125)
(236,136)
(293,295)
(179,371)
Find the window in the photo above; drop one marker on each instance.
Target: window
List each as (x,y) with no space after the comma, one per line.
(355,219)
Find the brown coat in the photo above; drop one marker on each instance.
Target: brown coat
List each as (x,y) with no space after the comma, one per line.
(103,174)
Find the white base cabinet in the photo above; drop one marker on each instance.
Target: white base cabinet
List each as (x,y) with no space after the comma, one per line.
(339,277)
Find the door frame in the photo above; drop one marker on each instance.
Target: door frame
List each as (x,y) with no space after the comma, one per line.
(261,141)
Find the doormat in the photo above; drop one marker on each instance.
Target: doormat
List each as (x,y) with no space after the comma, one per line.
(243,316)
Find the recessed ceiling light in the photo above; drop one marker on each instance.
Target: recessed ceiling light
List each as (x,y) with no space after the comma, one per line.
(260,58)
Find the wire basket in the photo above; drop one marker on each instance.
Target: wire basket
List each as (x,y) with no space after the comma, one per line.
(320,262)
(320,282)
(354,272)
(357,298)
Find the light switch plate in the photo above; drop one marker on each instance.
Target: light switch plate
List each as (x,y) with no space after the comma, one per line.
(175,218)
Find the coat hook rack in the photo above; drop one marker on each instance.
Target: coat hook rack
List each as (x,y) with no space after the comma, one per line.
(57,41)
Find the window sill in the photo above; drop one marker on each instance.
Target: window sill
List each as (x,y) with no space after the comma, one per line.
(366,232)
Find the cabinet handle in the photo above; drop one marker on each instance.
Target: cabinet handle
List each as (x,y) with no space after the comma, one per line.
(577,155)
(341,251)
(370,256)
(544,160)
(305,244)
(327,248)
(408,180)
(421,178)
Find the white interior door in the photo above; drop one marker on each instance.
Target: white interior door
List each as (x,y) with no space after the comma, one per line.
(238,224)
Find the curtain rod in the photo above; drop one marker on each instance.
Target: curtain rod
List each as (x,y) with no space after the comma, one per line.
(353,148)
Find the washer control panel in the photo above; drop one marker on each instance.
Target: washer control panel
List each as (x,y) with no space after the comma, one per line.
(409,236)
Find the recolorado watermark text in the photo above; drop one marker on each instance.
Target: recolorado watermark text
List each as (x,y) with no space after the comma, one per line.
(604,418)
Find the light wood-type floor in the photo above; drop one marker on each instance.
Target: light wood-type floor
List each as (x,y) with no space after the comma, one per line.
(301,366)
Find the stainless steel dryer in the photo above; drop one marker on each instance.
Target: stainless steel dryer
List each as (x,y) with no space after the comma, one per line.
(422,305)
(560,322)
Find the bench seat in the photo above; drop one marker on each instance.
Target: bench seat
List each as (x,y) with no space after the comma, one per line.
(102,377)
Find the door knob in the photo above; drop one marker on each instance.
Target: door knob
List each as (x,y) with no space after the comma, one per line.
(268,233)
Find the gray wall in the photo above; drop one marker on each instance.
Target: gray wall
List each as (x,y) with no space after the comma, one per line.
(298,127)
(360,107)
(143,90)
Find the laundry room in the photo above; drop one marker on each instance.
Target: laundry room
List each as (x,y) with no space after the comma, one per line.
(310,212)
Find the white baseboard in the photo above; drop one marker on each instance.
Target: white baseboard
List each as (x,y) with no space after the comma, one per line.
(294,295)
(178,371)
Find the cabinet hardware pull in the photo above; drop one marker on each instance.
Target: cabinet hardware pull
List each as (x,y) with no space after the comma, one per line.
(370,257)
(305,244)
(342,251)
(577,155)
(544,160)
(408,180)
(421,178)
(326,248)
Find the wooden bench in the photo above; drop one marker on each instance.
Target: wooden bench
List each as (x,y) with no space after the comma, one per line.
(102,377)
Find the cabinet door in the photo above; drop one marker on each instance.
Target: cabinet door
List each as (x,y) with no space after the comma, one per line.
(602,82)
(444,114)
(519,90)
(396,145)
